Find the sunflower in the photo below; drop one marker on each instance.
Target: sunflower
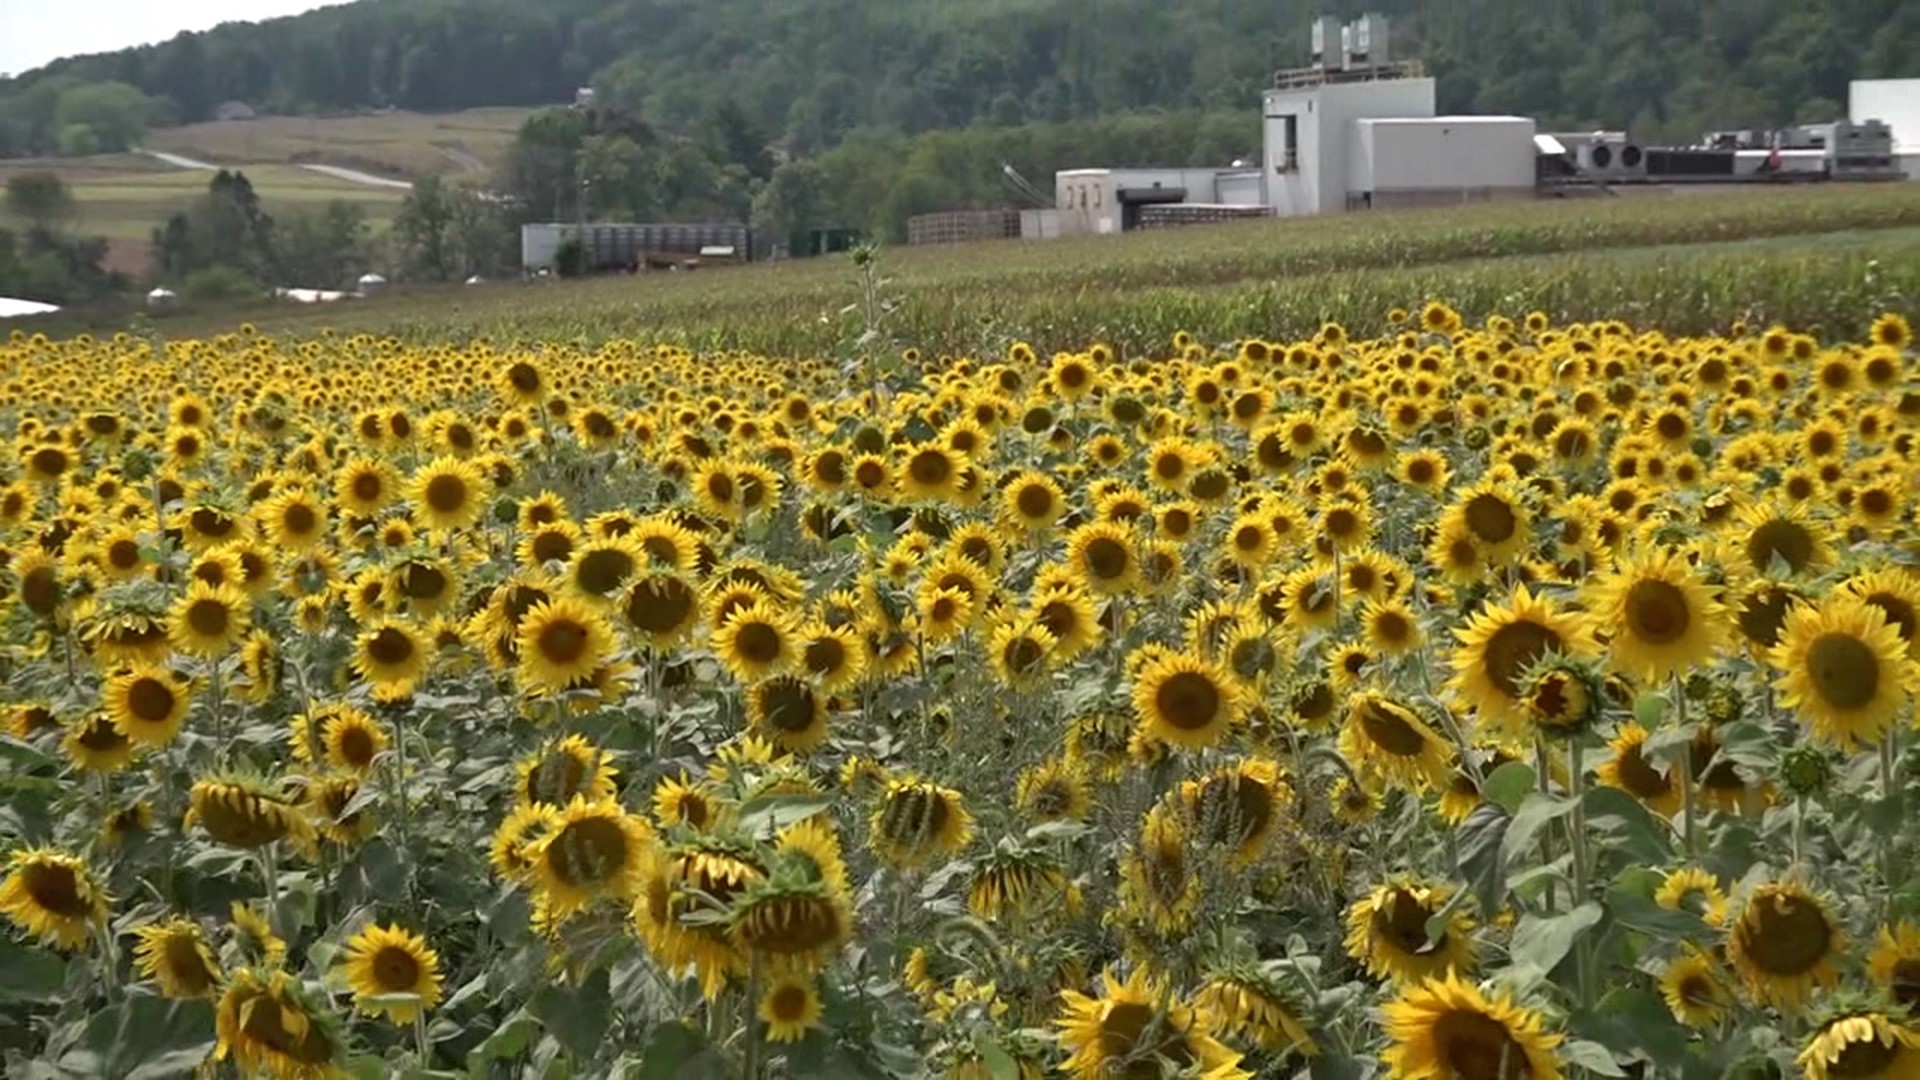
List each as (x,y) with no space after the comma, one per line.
(208,621)
(1138,1027)
(790,1007)
(1861,1044)
(241,813)
(328,800)
(1251,1005)
(929,472)
(1498,645)
(392,655)
(571,768)
(1021,651)
(788,712)
(1659,617)
(1388,741)
(592,850)
(562,642)
(1783,943)
(699,878)
(1897,594)
(1237,807)
(448,494)
(1103,557)
(1387,932)
(1894,964)
(1187,701)
(1633,772)
(176,956)
(269,1027)
(293,520)
(52,896)
(757,641)
(344,737)
(1495,517)
(943,613)
(1696,989)
(793,924)
(364,486)
(916,822)
(387,962)
(147,704)
(1694,889)
(96,744)
(1845,669)
(1449,1029)
(1033,501)
(833,657)
(1067,613)
(599,568)
(253,936)
(1392,627)
(662,608)
(523,825)
(1158,885)
(1776,539)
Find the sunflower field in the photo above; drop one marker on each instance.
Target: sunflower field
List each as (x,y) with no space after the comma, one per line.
(1490,701)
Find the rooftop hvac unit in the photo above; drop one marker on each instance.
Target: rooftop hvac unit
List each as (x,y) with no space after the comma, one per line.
(1366,42)
(1612,157)
(1329,45)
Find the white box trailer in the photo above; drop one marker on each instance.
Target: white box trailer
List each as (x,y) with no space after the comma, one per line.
(1440,159)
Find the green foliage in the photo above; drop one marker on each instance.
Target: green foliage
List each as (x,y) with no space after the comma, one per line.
(214,284)
(42,199)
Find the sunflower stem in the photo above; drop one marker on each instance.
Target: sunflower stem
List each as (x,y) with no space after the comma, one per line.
(420,1044)
(270,870)
(1689,830)
(1543,779)
(1888,788)
(751,1068)
(1577,833)
(397,793)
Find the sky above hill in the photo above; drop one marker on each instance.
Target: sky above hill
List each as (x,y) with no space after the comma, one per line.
(33,32)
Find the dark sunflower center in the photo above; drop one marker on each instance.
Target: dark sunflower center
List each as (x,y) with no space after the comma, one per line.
(788,1004)
(552,545)
(1786,935)
(1342,523)
(1051,799)
(1128,1053)
(1876,502)
(602,570)
(150,700)
(185,964)
(367,487)
(563,641)
(396,970)
(1475,1046)
(1788,540)
(789,705)
(390,647)
(356,746)
(123,554)
(1210,484)
(55,889)
(1022,654)
(914,813)
(102,737)
(1865,1058)
(1762,616)
(446,493)
(1391,627)
(791,925)
(1035,501)
(1657,612)
(299,519)
(1898,612)
(524,377)
(1390,729)
(1188,700)
(588,851)
(209,618)
(1512,649)
(660,607)
(1906,982)
(758,642)
(1315,703)
(1401,920)
(1235,809)
(1490,518)
(1106,558)
(1844,670)
(930,467)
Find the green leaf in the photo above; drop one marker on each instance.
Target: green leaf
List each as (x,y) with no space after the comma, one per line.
(576,1016)
(1509,784)
(675,1051)
(1536,813)
(1540,942)
(1665,745)
(386,1001)
(1482,836)
(1637,912)
(30,974)
(769,814)
(1335,1067)
(1000,1064)
(1649,709)
(1628,826)
(1591,1056)
(509,1040)
(150,1037)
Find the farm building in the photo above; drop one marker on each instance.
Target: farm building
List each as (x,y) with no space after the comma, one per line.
(1895,102)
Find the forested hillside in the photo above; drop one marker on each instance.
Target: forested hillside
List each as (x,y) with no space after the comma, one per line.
(809,71)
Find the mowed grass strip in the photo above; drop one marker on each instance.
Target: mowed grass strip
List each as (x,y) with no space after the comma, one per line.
(398,143)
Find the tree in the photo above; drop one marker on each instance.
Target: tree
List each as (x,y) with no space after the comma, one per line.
(115,114)
(41,199)
(617,179)
(225,227)
(424,229)
(790,203)
(326,248)
(729,135)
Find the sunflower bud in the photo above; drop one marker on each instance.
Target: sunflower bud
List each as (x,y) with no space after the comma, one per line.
(1806,770)
(1563,696)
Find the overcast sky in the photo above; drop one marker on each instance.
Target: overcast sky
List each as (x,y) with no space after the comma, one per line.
(33,32)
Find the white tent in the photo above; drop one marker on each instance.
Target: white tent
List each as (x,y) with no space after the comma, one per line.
(10,308)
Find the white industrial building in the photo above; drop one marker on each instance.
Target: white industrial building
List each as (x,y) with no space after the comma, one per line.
(1096,202)
(1896,102)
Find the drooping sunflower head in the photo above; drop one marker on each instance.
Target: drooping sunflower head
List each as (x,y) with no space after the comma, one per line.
(1238,807)
(175,955)
(1140,1024)
(267,1024)
(1861,1044)
(1388,741)
(792,923)
(1783,943)
(244,812)
(1387,932)
(916,822)
(1696,989)
(52,896)
(569,769)
(592,851)
(1249,1004)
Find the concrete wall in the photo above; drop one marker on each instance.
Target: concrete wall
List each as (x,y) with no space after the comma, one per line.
(1324,115)
(1896,101)
(1087,202)
(1445,153)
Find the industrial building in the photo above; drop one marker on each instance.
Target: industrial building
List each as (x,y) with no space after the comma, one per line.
(1359,129)
(1896,102)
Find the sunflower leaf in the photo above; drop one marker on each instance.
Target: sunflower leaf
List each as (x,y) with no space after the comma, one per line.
(769,814)
(1000,1064)
(1538,811)
(1592,1057)
(1509,784)
(1482,839)
(1540,942)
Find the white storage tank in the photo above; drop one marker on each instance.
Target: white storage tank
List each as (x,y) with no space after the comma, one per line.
(1437,160)
(161,298)
(371,283)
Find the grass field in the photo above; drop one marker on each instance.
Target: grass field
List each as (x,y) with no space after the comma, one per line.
(123,196)
(399,144)
(1815,257)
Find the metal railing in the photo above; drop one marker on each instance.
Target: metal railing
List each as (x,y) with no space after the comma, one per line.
(1301,78)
